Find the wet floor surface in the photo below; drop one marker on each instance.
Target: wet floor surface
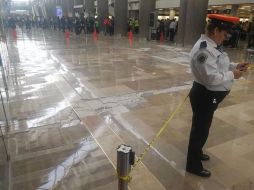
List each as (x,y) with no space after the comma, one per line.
(73,102)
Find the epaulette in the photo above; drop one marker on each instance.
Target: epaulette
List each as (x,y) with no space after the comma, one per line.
(203,45)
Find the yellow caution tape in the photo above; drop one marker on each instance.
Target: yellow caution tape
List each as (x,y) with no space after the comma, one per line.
(150,145)
(126,178)
(165,125)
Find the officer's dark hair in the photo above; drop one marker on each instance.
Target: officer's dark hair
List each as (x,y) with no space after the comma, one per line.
(220,25)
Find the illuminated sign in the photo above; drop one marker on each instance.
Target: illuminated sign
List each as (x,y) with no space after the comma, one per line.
(59,11)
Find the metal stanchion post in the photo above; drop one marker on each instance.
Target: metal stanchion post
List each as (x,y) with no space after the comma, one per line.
(125,158)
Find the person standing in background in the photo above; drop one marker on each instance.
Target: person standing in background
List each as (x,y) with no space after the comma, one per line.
(172,30)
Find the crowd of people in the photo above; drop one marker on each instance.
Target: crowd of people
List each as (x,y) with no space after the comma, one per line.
(243,31)
(133,25)
(166,28)
(73,24)
(169,28)
(240,32)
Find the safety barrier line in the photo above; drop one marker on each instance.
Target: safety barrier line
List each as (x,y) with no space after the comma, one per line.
(128,178)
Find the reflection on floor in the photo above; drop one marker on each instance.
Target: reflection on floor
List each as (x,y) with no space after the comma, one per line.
(73,102)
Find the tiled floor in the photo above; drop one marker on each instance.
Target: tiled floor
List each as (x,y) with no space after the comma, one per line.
(73,102)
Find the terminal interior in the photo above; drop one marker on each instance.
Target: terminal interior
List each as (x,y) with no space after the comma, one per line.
(70,99)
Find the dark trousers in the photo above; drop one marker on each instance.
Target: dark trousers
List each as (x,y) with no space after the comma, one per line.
(172,34)
(203,102)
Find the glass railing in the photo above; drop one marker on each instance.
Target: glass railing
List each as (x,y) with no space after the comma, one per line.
(4,158)
(4,124)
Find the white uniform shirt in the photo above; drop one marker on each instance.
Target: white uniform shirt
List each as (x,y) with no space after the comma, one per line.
(172,25)
(210,66)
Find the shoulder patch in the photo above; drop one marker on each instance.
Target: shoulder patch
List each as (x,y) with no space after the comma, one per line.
(201,58)
(203,45)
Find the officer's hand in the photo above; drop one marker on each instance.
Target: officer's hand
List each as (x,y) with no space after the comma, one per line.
(237,73)
(243,66)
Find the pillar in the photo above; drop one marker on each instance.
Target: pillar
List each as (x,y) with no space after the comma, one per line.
(121,11)
(47,6)
(192,21)
(146,7)
(43,9)
(52,8)
(70,8)
(172,14)
(67,6)
(1,29)
(79,2)
(36,12)
(39,10)
(251,17)
(53,5)
(89,7)
(234,10)
(64,4)
(102,8)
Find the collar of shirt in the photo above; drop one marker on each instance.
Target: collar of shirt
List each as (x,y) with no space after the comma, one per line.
(209,40)
(211,45)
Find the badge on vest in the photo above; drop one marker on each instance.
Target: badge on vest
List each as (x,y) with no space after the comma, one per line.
(202,58)
(214,101)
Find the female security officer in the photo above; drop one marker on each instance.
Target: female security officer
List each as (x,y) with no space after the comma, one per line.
(213,79)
